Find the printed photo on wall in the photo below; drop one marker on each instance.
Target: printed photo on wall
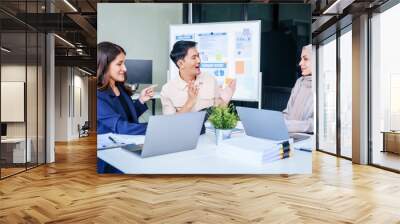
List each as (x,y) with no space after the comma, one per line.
(214,91)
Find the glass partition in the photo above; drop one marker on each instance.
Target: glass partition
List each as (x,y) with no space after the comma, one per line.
(346,93)
(31,98)
(327,95)
(22,100)
(13,104)
(385,89)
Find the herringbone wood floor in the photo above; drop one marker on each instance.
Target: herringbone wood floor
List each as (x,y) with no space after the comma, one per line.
(70,191)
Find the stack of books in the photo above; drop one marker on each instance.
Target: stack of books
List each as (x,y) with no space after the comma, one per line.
(254,150)
(282,151)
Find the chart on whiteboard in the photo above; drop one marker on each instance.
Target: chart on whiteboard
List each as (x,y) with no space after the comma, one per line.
(227,52)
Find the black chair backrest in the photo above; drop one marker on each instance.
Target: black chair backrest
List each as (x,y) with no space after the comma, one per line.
(86,125)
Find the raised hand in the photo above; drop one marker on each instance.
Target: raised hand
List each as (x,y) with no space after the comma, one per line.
(193,91)
(228,91)
(232,85)
(146,94)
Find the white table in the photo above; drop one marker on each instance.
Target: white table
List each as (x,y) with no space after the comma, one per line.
(205,159)
(19,155)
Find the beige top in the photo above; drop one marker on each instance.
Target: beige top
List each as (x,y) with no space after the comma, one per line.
(174,94)
(299,113)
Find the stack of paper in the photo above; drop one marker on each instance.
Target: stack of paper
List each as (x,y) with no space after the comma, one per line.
(129,139)
(253,150)
(280,153)
(110,140)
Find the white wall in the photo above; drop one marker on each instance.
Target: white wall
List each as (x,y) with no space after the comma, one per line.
(80,110)
(70,83)
(61,103)
(12,73)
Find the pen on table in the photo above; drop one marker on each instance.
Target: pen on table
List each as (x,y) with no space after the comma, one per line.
(112,139)
(304,149)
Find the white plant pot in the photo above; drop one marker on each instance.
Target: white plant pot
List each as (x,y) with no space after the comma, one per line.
(222,134)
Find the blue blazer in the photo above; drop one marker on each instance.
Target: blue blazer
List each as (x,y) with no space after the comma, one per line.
(111,116)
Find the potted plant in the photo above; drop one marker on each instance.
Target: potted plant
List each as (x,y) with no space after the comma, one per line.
(224,119)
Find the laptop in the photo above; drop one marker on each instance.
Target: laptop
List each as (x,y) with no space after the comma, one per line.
(170,133)
(266,124)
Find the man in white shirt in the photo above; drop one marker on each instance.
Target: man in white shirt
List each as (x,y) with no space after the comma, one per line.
(192,91)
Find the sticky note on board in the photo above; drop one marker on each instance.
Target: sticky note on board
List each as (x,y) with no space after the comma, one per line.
(218,56)
(239,67)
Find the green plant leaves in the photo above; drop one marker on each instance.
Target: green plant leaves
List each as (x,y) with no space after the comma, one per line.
(222,117)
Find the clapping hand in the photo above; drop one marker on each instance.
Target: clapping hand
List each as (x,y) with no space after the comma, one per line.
(228,91)
(232,85)
(146,94)
(193,91)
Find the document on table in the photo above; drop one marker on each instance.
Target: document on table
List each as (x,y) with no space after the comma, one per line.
(252,150)
(111,140)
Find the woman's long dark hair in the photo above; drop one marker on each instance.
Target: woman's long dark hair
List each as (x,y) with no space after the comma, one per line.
(106,53)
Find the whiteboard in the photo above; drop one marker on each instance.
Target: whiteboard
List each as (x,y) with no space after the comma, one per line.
(229,50)
(12,101)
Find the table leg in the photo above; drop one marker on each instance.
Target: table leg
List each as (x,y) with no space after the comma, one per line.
(153,106)
(384,143)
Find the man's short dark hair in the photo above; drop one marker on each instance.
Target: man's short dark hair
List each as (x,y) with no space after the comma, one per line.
(180,49)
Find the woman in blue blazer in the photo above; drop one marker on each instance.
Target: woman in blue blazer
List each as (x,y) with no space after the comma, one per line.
(116,111)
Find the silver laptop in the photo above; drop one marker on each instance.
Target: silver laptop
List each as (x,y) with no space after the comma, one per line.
(266,124)
(171,133)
